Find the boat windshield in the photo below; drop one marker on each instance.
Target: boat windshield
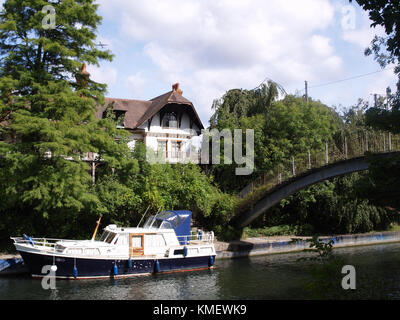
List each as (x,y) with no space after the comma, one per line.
(164,220)
(107,236)
(153,222)
(148,222)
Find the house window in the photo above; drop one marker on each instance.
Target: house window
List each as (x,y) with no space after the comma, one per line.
(119,118)
(162,148)
(176,148)
(170,120)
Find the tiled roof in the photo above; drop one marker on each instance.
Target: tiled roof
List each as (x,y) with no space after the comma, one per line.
(139,111)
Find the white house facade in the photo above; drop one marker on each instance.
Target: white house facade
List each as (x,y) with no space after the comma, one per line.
(167,124)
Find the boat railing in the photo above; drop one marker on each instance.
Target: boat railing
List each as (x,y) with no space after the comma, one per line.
(50,244)
(198,237)
(42,243)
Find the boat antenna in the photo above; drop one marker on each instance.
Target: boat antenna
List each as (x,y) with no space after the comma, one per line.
(97,227)
(143,216)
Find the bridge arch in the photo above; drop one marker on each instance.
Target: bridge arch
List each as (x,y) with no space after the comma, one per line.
(308,178)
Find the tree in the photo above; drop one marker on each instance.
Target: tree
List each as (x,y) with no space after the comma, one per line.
(239,103)
(47,111)
(282,129)
(386,51)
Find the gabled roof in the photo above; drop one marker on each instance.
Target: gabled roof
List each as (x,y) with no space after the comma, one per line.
(138,112)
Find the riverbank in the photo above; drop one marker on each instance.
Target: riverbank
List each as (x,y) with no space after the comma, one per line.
(285,244)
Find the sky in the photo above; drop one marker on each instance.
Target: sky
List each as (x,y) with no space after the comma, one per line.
(212,46)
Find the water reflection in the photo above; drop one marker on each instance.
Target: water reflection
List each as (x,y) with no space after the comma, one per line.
(189,285)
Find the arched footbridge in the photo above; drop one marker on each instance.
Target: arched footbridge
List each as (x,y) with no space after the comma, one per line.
(308,178)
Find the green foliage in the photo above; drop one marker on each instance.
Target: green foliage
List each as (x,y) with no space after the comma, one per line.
(384,176)
(182,186)
(281,129)
(387,15)
(48,123)
(350,204)
(386,50)
(323,249)
(339,206)
(239,103)
(279,230)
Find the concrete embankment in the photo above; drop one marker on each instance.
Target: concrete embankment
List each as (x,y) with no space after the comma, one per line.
(275,245)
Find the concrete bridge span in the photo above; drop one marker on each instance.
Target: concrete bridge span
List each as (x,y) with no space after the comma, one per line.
(308,178)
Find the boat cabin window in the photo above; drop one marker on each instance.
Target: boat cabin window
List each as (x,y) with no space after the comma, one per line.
(178,252)
(166,225)
(108,236)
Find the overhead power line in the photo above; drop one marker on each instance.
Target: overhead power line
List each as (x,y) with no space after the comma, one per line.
(351,78)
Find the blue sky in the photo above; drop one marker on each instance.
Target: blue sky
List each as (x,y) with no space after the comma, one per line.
(211,46)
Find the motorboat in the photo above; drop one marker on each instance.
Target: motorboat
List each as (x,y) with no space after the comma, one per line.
(163,244)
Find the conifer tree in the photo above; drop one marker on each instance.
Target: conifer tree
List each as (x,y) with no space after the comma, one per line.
(47,108)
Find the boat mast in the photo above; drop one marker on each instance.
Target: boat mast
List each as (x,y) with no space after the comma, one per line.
(97,227)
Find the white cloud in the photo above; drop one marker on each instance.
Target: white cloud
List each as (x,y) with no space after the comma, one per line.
(211,46)
(107,75)
(137,84)
(321,45)
(362,34)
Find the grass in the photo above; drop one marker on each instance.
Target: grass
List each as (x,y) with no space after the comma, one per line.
(394,227)
(282,230)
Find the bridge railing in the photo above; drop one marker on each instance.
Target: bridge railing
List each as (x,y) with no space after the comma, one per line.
(342,147)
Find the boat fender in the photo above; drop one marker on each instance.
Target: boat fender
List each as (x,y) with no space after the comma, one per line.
(185,251)
(130,264)
(115,269)
(211,261)
(156,266)
(30,240)
(75,272)
(53,268)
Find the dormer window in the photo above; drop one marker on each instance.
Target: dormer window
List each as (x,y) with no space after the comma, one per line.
(119,118)
(170,120)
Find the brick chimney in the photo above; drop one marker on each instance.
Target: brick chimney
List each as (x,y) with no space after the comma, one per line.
(176,89)
(82,78)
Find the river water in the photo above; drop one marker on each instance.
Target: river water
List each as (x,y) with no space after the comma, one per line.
(280,276)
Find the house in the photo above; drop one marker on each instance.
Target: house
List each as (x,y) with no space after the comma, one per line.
(166,124)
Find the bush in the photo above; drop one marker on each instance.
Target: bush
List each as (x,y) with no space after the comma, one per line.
(281,230)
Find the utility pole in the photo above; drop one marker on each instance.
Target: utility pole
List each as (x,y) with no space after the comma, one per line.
(388,93)
(293,167)
(93,173)
(326,153)
(384,142)
(306,90)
